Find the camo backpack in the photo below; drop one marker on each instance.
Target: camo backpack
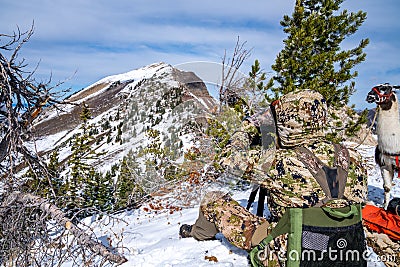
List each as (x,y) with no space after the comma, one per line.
(314,187)
(306,170)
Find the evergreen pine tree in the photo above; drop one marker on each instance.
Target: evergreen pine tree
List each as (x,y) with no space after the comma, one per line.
(55,172)
(85,114)
(45,184)
(312,57)
(81,187)
(98,191)
(255,86)
(128,190)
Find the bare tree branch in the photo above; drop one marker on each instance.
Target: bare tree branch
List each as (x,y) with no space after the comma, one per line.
(231,81)
(21,101)
(27,200)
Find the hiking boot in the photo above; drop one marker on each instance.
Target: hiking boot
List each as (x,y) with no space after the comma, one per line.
(185,231)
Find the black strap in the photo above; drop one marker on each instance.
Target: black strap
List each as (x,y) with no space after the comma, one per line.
(332,180)
(267,135)
(331,175)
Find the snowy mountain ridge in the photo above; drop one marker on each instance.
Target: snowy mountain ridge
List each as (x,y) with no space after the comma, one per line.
(124,107)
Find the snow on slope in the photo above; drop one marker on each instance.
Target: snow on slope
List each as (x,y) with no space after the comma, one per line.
(151,238)
(135,75)
(144,72)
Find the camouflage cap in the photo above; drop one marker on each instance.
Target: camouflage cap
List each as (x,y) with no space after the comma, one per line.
(301,117)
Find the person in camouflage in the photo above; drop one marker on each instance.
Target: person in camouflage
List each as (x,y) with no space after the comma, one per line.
(250,142)
(290,173)
(250,145)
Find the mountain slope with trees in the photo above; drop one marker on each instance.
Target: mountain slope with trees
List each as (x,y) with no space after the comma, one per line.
(129,131)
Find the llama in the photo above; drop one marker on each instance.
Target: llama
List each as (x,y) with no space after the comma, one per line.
(387,152)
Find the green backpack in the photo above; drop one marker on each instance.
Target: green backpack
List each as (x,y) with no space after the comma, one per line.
(320,236)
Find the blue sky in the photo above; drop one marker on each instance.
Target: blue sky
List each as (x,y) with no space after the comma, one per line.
(84,41)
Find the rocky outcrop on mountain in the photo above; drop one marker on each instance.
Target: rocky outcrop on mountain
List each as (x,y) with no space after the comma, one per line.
(195,87)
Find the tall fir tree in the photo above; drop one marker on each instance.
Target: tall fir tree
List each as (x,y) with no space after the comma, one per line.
(312,57)
(81,153)
(98,191)
(128,188)
(256,87)
(45,184)
(54,171)
(81,186)
(257,76)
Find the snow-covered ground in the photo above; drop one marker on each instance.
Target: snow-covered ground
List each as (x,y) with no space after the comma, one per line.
(150,238)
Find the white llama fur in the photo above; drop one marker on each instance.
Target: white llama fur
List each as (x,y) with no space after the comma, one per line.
(388,129)
(388,132)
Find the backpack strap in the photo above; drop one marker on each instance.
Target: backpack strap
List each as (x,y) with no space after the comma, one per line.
(295,234)
(316,168)
(332,180)
(267,135)
(291,223)
(342,163)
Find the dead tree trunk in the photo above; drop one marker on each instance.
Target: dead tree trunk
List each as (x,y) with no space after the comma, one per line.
(29,200)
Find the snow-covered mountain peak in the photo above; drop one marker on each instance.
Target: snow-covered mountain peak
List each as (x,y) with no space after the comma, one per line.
(124,108)
(132,77)
(136,74)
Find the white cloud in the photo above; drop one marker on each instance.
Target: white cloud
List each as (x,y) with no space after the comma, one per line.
(98,38)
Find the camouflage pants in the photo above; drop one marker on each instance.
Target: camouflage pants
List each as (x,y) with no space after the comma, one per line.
(220,213)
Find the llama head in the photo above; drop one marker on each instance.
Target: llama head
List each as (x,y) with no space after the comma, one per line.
(383,95)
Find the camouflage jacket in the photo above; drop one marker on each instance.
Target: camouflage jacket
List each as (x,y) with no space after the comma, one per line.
(250,145)
(300,120)
(290,182)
